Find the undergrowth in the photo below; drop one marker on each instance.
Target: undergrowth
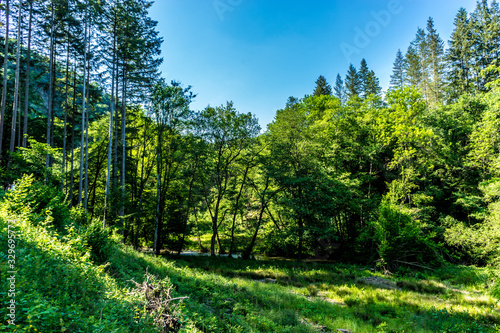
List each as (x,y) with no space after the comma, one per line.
(74,277)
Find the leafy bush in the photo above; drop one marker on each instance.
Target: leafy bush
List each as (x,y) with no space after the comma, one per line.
(58,288)
(99,242)
(495,292)
(401,239)
(32,161)
(470,240)
(39,203)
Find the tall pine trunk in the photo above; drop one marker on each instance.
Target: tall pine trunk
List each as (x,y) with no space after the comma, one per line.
(124,115)
(63,166)
(86,187)
(84,108)
(51,83)
(73,108)
(16,82)
(111,113)
(5,69)
(27,83)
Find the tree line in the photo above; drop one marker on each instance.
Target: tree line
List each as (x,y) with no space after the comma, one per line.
(410,178)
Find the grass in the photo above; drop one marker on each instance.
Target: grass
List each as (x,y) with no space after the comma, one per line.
(255,296)
(62,290)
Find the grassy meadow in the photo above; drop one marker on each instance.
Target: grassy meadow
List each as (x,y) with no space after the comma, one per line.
(60,288)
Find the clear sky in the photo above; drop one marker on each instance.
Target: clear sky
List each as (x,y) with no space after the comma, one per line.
(257,53)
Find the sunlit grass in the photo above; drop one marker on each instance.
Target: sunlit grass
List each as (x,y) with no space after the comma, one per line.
(228,295)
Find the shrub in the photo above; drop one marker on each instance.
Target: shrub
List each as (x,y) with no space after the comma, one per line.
(99,242)
(37,202)
(402,239)
(495,292)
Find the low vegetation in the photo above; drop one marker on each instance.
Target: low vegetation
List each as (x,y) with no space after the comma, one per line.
(64,284)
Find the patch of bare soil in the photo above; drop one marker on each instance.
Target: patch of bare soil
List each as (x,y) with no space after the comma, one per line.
(378,282)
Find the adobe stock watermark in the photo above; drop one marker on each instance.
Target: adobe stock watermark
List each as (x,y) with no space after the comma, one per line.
(11,280)
(364,36)
(224,6)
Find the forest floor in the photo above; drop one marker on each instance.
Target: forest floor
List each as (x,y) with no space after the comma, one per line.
(58,289)
(228,295)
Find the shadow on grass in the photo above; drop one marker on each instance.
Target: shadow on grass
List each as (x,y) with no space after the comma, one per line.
(224,296)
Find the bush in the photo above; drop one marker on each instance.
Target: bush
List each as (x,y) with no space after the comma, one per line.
(99,242)
(401,239)
(37,202)
(495,292)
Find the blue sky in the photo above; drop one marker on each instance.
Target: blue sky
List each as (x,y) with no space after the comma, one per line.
(257,53)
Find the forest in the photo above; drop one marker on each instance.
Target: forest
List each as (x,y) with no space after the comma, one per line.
(95,144)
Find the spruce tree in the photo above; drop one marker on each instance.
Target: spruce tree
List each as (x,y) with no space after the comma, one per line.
(421,46)
(352,82)
(413,70)
(322,87)
(363,74)
(435,47)
(339,89)
(459,57)
(398,71)
(372,84)
(486,35)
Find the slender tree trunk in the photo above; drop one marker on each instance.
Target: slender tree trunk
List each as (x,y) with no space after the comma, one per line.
(51,84)
(86,187)
(111,113)
(249,249)
(73,107)
(198,231)
(28,71)
(63,166)
(84,109)
(186,218)
(16,82)
(115,143)
(231,247)
(53,114)
(124,115)
(158,197)
(139,217)
(5,69)
(301,228)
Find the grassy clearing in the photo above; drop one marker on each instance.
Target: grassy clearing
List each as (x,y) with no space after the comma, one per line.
(255,296)
(59,289)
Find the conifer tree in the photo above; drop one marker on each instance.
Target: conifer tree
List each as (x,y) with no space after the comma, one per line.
(459,57)
(398,71)
(339,89)
(322,87)
(413,70)
(352,82)
(486,34)
(372,86)
(421,46)
(363,74)
(435,47)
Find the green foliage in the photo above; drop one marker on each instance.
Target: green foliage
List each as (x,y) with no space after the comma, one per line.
(37,202)
(495,292)
(99,242)
(401,239)
(59,289)
(479,241)
(32,161)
